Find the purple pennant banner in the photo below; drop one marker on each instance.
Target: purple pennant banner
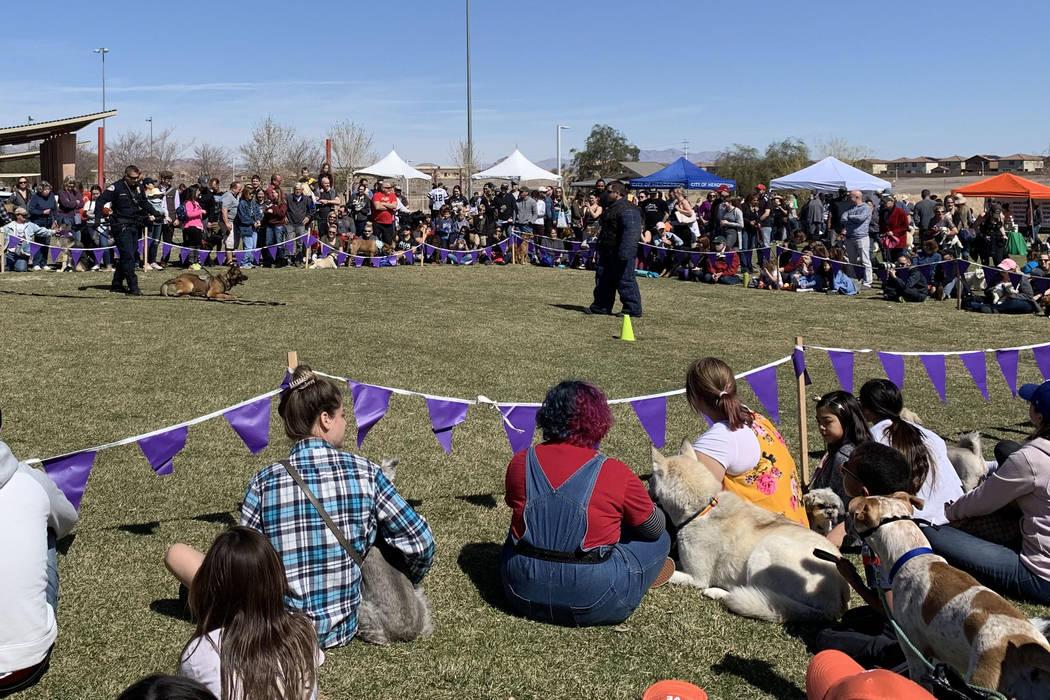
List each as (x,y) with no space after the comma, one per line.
(257,255)
(311,240)
(798,361)
(76,253)
(55,252)
(975,364)
(272,250)
(1042,359)
(165,250)
(239,257)
(161,449)
(220,258)
(652,414)
(289,247)
(325,250)
(373,261)
(503,247)
(894,367)
(70,474)
(934,365)
(1008,364)
(443,255)
(202,256)
(340,258)
(695,258)
(524,419)
(12,242)
(410,258)
(444,416)
(842,363)
(428,250)
(370,405)
(764,385)
(183,254)
(34,248)
(391,260)
(252,423)
(359,260)
(459,258)
(488,251)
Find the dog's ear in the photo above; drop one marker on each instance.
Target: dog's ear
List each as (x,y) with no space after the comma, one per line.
(389,467)
(686,449)
(658,458)
(864,510)
(914,502)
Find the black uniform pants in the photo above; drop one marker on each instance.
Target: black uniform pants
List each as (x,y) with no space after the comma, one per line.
(614,275)
(126,237)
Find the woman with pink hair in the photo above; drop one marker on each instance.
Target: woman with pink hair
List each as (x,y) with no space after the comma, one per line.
(586,541)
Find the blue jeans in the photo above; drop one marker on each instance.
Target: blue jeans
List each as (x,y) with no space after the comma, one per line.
(583,594)
(747,242)
(1000,568)
(275,236)
(40,259)
(154,241)
(104,241)
(248,240)
(15,264)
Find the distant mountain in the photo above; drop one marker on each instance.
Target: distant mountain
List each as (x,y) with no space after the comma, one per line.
(665,155)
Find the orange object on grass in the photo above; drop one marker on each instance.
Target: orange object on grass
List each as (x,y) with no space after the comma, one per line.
(679,690)
(834,676)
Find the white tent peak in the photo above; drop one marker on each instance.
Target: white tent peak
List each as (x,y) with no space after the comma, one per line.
(828,175)
(515,167)
(393,166)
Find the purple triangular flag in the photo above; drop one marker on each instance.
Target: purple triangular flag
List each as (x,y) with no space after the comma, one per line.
(76,253)
(183,254)
(798,361)
(272,250)
(55,252)
(488,251)
(257,255)
(894,367)
(165,250)
(409,257)
(459,258)
(764,385)
(220,258)
(340,258)
(70,474)
(443,255)
(975,364)
(359,260)
(934,364)
(524,419)
(391,260)
(370,405)
(661,254)
(239,257)
(287,381)
(325,250)
(373,261)
(842,363)
(289,246)
(652,414)
(252,422)
(141,247)
(12,242)
(161,449)
(427,250)
(1042,359)
(444,416)
(695,257)
(1008,364)
(202,256)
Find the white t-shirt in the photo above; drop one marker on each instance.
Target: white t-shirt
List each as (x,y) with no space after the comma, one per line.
(736,450)
(942,483)
(541,211)
(438,195)
(201,663)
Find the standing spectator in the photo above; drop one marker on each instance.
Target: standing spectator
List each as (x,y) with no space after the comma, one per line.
(274,219)
(731,224)
(192,225)
(654,211)
(962,215)
(155,197)
(21,195)
(300,206)
(457,201)
(989,245)
(437,197)
(752,231)
(894,224)
(682,218)
(275,184)
(361,206)
(248,220)
(839,206)
(812,216)
(42,206)
(326,171)
(703,212)
(765,221)
(327,200)
(69,202)
(561,215)
(229,204)
(97,231)
(34,514)
(384,205)
(854,224)
(781,220)
(602,193)
(539,223)
(923,213)
(171,203)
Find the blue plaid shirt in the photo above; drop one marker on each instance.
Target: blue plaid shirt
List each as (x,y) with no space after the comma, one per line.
(324,582)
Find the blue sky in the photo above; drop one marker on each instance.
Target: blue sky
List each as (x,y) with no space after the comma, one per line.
(898,78)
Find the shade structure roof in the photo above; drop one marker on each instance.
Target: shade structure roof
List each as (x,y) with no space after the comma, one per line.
(515,167)
(393,166)
(681,173)
(1006,186)
(38,131)
(828,175)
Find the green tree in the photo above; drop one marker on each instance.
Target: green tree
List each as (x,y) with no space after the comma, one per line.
(602,151)
(749,166)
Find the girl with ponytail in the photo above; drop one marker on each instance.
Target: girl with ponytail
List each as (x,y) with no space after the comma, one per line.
(742,448)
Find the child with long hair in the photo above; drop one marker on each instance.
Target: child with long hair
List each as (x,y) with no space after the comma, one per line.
(842,427)
(247,644)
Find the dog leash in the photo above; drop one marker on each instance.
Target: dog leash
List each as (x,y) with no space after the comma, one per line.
(698,514)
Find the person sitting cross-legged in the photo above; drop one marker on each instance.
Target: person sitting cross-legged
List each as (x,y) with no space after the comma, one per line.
(905,283)
(721,265)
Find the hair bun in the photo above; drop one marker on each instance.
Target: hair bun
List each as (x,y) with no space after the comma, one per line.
(305,379)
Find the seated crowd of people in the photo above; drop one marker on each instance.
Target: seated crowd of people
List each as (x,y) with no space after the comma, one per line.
(585,540)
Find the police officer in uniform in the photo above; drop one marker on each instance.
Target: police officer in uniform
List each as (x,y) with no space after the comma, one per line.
(617,248)
(131,213)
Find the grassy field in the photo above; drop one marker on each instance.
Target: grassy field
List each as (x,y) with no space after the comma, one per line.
(84,367)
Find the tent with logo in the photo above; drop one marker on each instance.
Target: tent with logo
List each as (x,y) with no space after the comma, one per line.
(828,175)
(392,166)
(681,173)
(515,167)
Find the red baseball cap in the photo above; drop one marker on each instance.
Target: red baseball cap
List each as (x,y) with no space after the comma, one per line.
(760,187)
(723,188)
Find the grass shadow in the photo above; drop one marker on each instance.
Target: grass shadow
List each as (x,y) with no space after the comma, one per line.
(221,517)
(49,296)
(482,500)
(171,607)
(480,562)
(139,528)
(760,675)
(570,307)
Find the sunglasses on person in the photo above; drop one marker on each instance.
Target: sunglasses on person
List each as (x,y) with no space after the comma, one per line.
(849,472)
(23,182)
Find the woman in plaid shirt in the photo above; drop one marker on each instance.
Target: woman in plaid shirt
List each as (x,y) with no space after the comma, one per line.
(324,583)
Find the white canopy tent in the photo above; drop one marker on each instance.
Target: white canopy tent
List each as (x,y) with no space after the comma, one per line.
(829,175)
(393,166)
(515,167)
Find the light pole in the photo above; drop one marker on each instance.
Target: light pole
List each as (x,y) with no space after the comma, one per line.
(150,120)
(103,52)
(470,115)
(560,127)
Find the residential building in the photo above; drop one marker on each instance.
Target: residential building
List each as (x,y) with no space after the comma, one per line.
(922,165)
(875,166)
(952,165)
(1021,163)
(982,164)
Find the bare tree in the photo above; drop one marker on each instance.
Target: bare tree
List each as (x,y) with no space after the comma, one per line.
(134,148)
(214,161)
(351,149)
(275,148)
(462,156)
(842,149)
(85,165)
(301,153)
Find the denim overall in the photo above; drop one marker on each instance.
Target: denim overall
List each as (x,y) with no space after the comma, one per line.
(596,587)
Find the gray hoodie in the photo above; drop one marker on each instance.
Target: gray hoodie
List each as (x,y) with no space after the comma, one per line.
(63,516)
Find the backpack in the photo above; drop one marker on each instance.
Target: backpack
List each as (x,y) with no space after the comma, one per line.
(180,213)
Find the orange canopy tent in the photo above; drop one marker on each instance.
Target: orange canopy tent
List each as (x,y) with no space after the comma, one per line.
(1005,186)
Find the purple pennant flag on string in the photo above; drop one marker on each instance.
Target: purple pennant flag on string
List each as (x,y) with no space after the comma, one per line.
(287,381)
(183,254)
(798,361)
(272,250)
(252,423)
(661,254)
(764,254)
(370,405)
(444,416)
(70,474)
(359,260)
(879,272)
(764,385)
(76,253)
(975,364)
(202,256)
(220,258)
(391,260)
(311,240)
(730,257)
(374,261)
(488,251)
(459,258)
(409,257)
(165,250)
(443,255)
(795,257)
(257,255)
(575,246)
(427,250)
(239,257)
(1008,364)
(842,363)
(1042,359)
(161,449)
(289,247)
(325,250)
(652,414)
(695,258)
(524,419)
(894,367)
(934,364)
(927,272)
(340,258)
(141,247)
(54,252)
(12,242)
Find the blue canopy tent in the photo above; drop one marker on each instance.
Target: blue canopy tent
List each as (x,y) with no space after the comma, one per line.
(681,173)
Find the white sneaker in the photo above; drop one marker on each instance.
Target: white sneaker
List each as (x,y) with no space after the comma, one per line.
(95,268)
(36,268)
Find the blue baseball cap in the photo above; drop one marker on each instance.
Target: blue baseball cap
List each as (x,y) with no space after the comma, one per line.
(1038,395)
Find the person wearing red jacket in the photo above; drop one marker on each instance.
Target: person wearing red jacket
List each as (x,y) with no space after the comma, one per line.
(721,264)
(893,229)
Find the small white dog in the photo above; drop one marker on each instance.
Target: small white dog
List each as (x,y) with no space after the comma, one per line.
(757,563)
(967,456)
(824,509)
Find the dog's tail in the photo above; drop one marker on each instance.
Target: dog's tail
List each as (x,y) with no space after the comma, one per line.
(167,287)
(773,606)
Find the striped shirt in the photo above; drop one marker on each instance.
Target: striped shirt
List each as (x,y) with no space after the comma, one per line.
(324,582)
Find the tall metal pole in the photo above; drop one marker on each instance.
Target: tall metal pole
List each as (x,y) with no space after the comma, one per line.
(470,116)
(150,120)
(560,127)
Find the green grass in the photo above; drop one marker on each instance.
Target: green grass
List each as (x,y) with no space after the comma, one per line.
(84,367)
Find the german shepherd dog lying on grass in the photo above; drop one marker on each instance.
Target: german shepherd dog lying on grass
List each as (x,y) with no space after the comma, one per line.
(204,284)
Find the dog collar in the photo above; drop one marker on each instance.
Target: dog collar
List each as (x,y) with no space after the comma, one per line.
(865,534)
(908,556)
(699,514)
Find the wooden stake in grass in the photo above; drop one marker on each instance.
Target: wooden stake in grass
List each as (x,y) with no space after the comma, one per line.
(803,437)
(293,360)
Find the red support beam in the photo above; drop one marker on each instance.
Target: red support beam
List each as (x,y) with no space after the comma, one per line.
(102,157)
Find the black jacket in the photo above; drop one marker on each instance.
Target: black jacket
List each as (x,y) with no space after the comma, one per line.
(128,204)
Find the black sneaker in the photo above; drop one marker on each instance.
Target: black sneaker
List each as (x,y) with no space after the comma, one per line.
(133,293)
